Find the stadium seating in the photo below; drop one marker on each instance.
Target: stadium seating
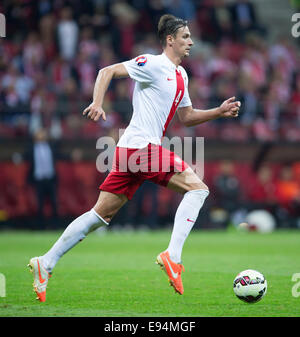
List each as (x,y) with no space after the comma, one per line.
(78,186)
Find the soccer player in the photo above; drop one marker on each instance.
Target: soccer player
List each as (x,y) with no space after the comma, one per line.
(161,89)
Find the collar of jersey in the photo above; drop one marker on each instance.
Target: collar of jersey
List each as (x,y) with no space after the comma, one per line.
(169,61)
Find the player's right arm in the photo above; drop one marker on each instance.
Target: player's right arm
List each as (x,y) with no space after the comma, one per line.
(94,111)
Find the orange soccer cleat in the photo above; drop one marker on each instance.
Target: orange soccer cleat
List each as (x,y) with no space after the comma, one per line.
(40,278)
(172,269)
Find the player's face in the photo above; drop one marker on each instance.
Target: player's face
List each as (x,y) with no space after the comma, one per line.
(182,43)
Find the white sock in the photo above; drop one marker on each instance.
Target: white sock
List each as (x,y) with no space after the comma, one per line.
(185,217)
(74,233)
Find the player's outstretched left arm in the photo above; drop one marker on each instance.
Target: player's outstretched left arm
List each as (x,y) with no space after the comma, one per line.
(94,111)
(191,117)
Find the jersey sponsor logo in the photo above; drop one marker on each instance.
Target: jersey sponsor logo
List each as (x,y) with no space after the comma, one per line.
(141,60)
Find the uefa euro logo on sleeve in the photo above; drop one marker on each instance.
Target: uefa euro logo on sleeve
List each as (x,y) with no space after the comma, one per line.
(141,60)
(2,25)
(2,286)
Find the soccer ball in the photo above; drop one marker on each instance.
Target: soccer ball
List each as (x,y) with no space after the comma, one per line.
(250,286)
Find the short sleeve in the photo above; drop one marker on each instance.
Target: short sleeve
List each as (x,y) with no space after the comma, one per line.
(186,101)
(140,68)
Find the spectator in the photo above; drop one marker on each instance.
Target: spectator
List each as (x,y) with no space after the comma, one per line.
(155,9)
(47,33)
(86,73)
(16,92)
(123,29)
(283,58)
(262,190)
(248,97)
(244,18)
(227,189)
(21,83)
(88,45)
(221,20)
(254,62)
(287,188)
(184,9)
(59,71)
(288,197)
(67,32)
(42,173)
(219,64)
(33,55)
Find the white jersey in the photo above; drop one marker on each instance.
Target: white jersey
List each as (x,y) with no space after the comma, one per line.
(160,89)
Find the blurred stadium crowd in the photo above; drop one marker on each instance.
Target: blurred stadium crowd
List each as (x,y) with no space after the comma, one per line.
(54,49)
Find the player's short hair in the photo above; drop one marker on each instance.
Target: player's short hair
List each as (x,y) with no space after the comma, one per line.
(168,25)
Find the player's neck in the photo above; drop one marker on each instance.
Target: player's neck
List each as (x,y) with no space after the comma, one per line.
(172,57)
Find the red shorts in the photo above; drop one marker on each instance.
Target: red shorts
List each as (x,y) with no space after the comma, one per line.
(131,167)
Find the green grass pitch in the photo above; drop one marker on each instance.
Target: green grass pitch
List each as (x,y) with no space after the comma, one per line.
(114,274)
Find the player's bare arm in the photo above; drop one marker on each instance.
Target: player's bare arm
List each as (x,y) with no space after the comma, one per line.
(94,111)
(191,117)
